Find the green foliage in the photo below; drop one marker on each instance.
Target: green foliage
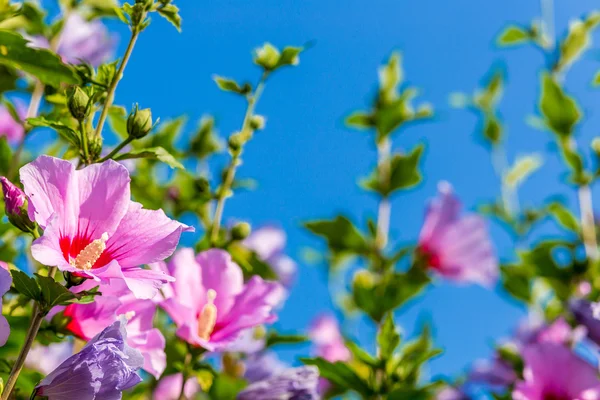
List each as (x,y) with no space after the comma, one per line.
(5,156)
(43,64)
(393,107)
(513,35)
(340,374)
(341,235)
(403,174)
(270,58)
(170,12)
(230,85)
(153,153)
(522,168)
(563,216)
(577,40)
(387,337)
(560,111)
(274,338)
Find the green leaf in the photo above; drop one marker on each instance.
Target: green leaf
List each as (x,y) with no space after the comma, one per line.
(523,167)
(361,354)
(404,174)
(106,73)
(154,153)
(63,130)
(8,79)
(596,81)
(274,338)
(43,64)
(390,76)
(205,142)
(577,41)
(230,85)
(517,281)
(387,337)
(5,156)
(26,285)
(171,13)
(563,216)
(560,111)
(341,235)
(360,120)
(55,294)
(488,98)
(412,356)
(289,56)
(250,263)
(340,375)
(117,120)
(513,35)
(225,387)
(492,129)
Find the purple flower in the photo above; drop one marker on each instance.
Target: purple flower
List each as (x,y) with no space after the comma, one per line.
(497,373)
(13,130)
(100,371)
(209,301)
(584,315)
(325,334)
(457,247)
(261,366)
(14,198)
(5,282)
(87,320)
(292,384)
(553,372)
(269,243)
(451,393)
(169,388)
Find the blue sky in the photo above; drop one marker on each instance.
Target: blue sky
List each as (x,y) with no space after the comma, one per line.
(307,163)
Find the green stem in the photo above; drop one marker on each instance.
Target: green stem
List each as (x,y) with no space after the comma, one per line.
(110,96)
(116,149)
(385,208)
(185,374)
(84,141)
(36,321)
(234,163)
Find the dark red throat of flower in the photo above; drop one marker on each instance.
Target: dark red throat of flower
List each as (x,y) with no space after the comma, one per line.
(553,396)
(429,257)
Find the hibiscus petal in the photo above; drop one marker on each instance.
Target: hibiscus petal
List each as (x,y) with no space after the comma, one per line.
(222,275)
(52,189)
(440,212)
(254,306)
(4,330)
(151,344)
(46,249)
(187,287)
(144,236)
(145,283)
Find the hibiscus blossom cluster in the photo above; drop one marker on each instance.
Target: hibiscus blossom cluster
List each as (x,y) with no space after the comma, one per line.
(123,275)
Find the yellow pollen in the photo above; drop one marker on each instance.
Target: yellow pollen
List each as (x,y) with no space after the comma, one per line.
(208,316)
(86,259)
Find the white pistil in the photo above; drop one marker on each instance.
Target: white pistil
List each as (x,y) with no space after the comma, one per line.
(86,259)
(208,316)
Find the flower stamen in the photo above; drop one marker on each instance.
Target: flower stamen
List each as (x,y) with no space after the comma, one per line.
(86,259)
(208,316)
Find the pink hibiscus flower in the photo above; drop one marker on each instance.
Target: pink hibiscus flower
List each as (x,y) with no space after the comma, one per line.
(553,371)
(10,128)
(209,301)
(457,247)
(91,226)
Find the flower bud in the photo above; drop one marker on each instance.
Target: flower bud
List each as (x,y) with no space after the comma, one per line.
(72,279)
(235,142)
(15,203)
(364,279)
(139,122)
(241,231)
(257,122)
(78,101)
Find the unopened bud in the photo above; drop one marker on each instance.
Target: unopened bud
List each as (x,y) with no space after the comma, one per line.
(78,102)
(241,231)
(364,279)
(257,122)
(95,146)
(72,279)
(235,142)
(202,185)
(139,122)
(15,203)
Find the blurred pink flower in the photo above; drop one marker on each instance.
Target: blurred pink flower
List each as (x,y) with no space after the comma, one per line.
(91,226)
(553,371)
(87,320)
(269,243)
(169,388)
(329,342)
(209,301)
(81,40)
(10,128)
(457,247)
